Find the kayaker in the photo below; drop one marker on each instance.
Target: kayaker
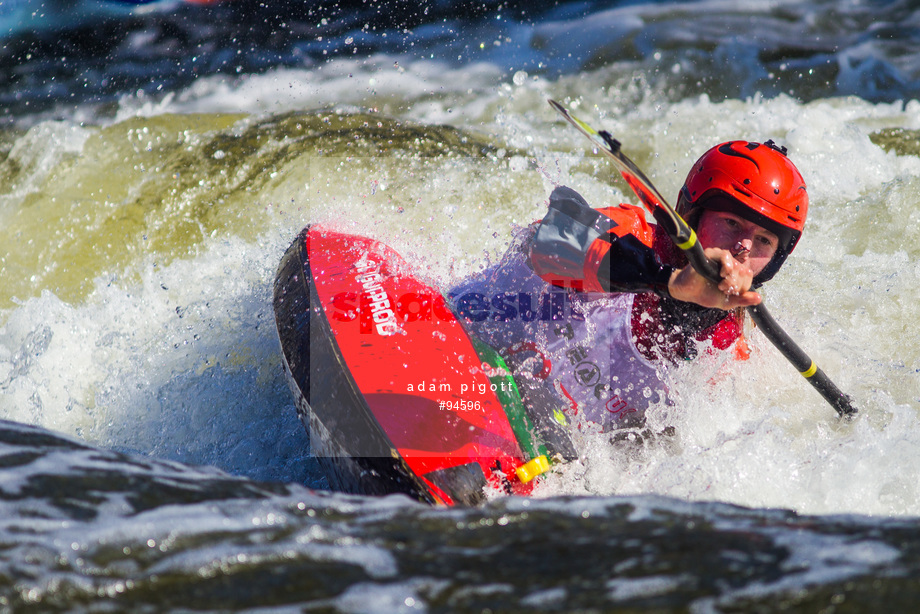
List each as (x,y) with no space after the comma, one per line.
(603,357)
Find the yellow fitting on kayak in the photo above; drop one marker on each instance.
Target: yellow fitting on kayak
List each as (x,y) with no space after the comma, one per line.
(559,417)
(689,243)
(810,370)
(532,468)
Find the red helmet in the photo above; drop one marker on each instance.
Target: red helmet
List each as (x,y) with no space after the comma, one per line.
(763,186)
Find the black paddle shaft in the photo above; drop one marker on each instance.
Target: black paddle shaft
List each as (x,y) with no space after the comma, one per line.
(840,401)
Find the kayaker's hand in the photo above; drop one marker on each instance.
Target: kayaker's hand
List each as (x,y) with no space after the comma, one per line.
(733,291)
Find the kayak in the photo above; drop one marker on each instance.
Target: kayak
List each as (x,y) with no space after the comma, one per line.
(395,394)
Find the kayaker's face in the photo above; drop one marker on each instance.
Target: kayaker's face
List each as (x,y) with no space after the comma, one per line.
(747,241)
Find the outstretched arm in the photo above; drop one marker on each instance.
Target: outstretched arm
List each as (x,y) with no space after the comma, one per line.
(581,247)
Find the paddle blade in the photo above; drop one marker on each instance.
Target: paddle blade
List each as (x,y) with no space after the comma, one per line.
(641,185)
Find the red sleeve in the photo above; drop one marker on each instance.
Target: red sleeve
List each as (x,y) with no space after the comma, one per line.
(665,328)
(606,250)
(727,332)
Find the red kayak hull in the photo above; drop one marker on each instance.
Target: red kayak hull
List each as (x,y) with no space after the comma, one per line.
(387,381)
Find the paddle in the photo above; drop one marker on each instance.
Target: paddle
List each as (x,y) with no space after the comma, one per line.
(685,238)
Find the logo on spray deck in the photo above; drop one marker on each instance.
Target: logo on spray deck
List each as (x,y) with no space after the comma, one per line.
(375,297)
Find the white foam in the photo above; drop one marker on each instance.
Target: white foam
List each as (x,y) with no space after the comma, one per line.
(389,84)
(396,597)
(184,371)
